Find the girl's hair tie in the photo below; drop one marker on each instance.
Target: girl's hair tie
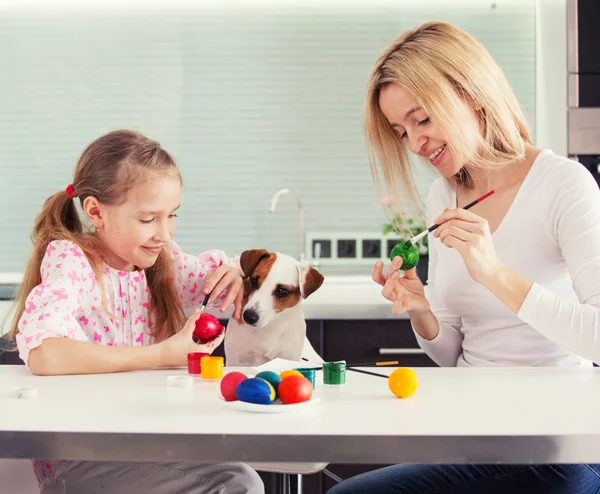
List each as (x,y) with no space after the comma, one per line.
(70,191)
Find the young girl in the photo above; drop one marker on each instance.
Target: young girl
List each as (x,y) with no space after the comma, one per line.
(514,281)
(113,299)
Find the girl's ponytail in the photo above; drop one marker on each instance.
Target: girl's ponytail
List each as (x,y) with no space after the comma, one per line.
(58,220)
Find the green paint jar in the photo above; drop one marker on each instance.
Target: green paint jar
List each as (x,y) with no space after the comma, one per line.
(334,373)
(308,374)
(408,253)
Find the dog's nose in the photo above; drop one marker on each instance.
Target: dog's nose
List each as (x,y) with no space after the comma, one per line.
(250,316)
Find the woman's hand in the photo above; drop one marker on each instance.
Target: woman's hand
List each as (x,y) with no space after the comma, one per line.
(470,235)
(174,349)
(226,278)
(405,292)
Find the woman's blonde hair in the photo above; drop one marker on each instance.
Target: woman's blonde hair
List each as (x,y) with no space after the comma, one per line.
(440,64)
(108,168)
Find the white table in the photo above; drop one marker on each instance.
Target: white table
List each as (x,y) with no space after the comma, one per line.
(456,416)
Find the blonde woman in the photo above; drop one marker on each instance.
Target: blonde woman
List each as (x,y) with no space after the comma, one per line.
(514,281)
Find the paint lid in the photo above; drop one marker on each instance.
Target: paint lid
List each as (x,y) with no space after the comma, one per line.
(338,366)
(193,356)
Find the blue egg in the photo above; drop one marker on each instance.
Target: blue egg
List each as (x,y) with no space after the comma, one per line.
(271,377)
(255,390)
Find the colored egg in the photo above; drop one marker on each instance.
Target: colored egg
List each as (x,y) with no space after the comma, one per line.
(255,390)
(290,372)
(271,377)
(408,253)
(403,382)
(229,384)
(294,389)
(207,328)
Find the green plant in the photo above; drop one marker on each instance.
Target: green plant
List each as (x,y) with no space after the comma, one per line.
(405,229)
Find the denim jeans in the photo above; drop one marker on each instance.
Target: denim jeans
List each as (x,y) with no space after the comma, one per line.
(475,479)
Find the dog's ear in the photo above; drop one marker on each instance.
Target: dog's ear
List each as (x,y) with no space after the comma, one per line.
(310,280)
(250,259)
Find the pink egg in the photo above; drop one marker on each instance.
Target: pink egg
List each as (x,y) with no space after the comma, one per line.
(229,383)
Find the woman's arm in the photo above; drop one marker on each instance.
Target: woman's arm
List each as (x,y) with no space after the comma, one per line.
(575,220)
(438,331)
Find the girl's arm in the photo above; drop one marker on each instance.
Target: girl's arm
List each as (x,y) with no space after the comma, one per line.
(57,356)
(190,274)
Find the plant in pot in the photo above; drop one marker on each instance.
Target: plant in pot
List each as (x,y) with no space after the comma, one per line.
(406,228)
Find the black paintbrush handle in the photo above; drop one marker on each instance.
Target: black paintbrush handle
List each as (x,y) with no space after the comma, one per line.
(204,302)
(353,369)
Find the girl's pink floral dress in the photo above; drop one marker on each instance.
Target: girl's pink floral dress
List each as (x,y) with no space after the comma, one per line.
(68,304)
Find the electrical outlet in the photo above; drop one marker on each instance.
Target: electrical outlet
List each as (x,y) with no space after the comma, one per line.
(371,248)
(325,248)
(346,248)
(391,243)
(349,247)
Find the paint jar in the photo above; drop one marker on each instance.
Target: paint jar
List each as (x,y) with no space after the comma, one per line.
(211,367)
(334,373)
(193,361)
(308,374)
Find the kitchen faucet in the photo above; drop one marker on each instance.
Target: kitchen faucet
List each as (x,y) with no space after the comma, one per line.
(301,255)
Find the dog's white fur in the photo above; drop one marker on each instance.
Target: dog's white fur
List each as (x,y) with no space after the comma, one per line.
(276,334)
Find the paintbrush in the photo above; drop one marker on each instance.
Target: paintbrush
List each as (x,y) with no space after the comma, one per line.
(416,238)
(353,369)
(202,307)
(390,363)
(204,303)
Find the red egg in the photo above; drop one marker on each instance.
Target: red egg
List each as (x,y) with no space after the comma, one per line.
(207,328)
(294,389)
(229,383)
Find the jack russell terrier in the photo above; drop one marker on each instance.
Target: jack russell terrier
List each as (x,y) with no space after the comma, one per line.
(273,322)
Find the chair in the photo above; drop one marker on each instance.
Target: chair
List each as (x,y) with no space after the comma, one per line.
(289,475)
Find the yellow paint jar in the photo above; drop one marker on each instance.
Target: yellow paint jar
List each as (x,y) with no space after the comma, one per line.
(212,367)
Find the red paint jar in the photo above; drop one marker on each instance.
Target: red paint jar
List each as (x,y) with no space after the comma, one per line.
(193,360)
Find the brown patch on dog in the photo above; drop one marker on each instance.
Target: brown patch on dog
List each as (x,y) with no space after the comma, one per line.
(250,259)
(257,262)
(312,282)
(288,302)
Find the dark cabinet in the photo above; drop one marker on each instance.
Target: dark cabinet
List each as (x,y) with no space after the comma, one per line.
(368,341)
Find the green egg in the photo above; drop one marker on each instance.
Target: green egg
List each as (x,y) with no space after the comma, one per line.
(408,253)
(271,377)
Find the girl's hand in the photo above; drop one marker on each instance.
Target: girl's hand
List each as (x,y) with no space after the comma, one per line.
(405,292)
(470,235)
(174,349)
(226,278)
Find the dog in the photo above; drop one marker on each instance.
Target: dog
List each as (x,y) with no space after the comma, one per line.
(273,321)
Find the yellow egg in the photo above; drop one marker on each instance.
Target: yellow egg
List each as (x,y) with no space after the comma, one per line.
(270,387)
(287,373)
(403,382)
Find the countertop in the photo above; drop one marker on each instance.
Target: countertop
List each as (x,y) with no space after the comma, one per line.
(340,297)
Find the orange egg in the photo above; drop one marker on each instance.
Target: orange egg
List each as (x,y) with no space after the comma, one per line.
(290,372)
(403,382)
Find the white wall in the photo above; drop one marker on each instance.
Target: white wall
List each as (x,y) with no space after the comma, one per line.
(551,75)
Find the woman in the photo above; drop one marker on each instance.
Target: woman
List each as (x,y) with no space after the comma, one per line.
(514,281)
